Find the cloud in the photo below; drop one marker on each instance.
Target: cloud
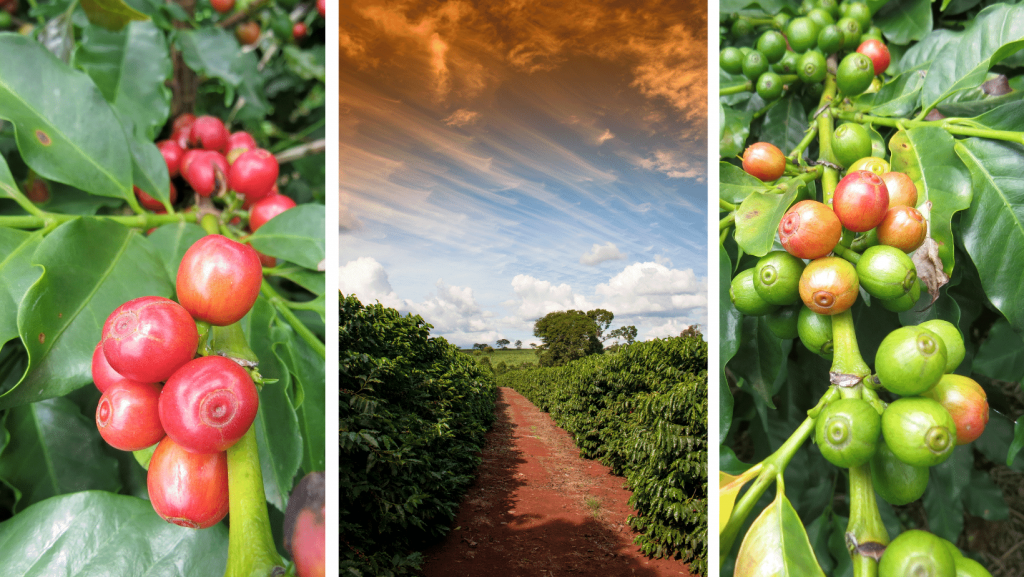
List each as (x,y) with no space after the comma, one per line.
(462,117)
(670,328)
(367,279)
(605,136)
(600,253)
(675,165)
(536,298)
(646,288)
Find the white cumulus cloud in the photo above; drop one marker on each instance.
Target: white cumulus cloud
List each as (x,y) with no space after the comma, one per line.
(600,253)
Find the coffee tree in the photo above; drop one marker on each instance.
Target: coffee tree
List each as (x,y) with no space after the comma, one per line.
(162,238)
(872,230)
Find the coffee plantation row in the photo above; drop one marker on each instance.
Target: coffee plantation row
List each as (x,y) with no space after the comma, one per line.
(413,414)
(643,412)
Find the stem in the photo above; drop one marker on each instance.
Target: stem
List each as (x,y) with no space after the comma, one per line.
(847,253)
(297,152)
(251,549)
(772,467)
(865,521)
(748,86)
(950,125)
(723,236)
(727,221)
(726,205)
(826,125)
(798,153)
(846,358)
(148,220)
(239,16)
(281,304)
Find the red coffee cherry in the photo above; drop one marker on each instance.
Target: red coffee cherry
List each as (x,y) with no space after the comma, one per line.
(304,528)
(877,52)
(254,173)
(321,7)
(861,200)
(267,209)
(188,489)
(210,133)
(764,161)
(172,154)
(208,404)
(966,402)
(219,279)
(150,203)
(127,416)
(902,190)
(247,33)
(206,171)
(809,230)
(148,338)
(240,141)
(829,286)
(103,375)
(299,31)
(904,228)
(222,6)
(184,121)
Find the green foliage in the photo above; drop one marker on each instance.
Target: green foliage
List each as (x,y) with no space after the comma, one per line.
(413,414)
(643,412)
(570,335)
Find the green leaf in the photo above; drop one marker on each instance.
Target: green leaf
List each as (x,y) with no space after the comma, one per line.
(992,36)
(170,241)
(730,323)
(943,498)
(312,281)
(926,155)
(1006,117)
(295,235)
(984,499)
(306,64)
(96,534)
(54,450)
(904,21)
(759,359)
(974,101)
(130,68)
(62,123)
(999,355)
(92,266)
(757,220)
(8,187)
(993,227)
(307,369)
(111,14)
(735,128)
(16,276)
(735,184)
(776,545)
(898,97)
(1018,442)
(785,124)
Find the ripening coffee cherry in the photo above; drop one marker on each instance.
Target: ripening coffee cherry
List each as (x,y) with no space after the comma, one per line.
(871,164)
(188,489)
(267,208)
(915,553)
(847,432)
(877,52)
(764,161)
(829,286)
(950,335)
(210,133)
(304,531)
(253,173)
(219,280)
(902,190)
(886,272)
(239,143)
(127,416)
(184,121)
(247,33)
(966,402)
(910,360)
(150,203)
(206,171)
(860,200)
(903,227)
(222,6)
(148,338)
(746,298)
(895,481)
(919,431)
(299,31)
(809,230)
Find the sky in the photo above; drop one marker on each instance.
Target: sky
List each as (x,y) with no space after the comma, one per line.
(502,160)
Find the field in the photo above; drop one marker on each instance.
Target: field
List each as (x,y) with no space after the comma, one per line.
(511,357)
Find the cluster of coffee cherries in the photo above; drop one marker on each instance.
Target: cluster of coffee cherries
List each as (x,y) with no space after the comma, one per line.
(799,46)
(248,32)
(205,404)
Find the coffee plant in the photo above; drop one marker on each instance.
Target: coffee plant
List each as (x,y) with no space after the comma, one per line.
(162,238)
(413,413)
(872,231)
(642,411)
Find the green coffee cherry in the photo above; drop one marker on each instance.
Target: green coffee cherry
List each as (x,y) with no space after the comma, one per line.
(821,17)
(855,74)
(886,272)
(905,302)
(788,64)
(811,67)
(815,332)
(860,12)
(847,432)
(773,45)
(777,277)
(769,86)
(780,20)
(784,322)
(919,431)
(896,482)
(950,335)
(731,60)
(745,298)
(742,27)
(754,65)
(850,143)
(851,32)
(917,553)
(910,360)
(830,6)
(830,39)
(802,33)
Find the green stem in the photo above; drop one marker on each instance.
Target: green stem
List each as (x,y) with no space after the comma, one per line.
(148,220)
(281,304)
(724,235)
(737,89)
(797,155)
(251,549)
(865,521)
(826,125)
(950,125)
(727,221)
(847,253)
(771,468)
(784,186)
(846,358)
(726,205)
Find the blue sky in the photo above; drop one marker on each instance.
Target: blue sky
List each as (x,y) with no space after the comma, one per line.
(502,162)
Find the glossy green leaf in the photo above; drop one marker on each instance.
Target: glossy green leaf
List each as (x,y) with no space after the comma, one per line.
(312,281)
(735,128)
(925,51)
(149,169)
(943,500)
(295,235)
(927,156)
(785,124)
(735,184)
(277,427)
(111,14)
(170,241)
(999,355)
(97,534)
(759,359)
(307,369)
(776,545)
(992,36)
(61,120)
(984,499)
(211,52)
(757,220)
(16,276)
(130,68)
(898,97)
(1006,117)
(993,227)
(8,188)
(904,21)
(730,323)
(974,102)
(91,267)
(54,450)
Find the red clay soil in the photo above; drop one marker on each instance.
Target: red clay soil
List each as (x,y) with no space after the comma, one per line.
(537,508)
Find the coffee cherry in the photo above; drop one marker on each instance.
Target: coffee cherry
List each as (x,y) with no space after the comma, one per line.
(886,272)
(917,552)
(172,154)
(855,74)
(905,302)
(188,489)
(821,18)
(815,332)
(851,30)
(764,161)
(784,322)
(902,190)
(788,64)
(741,27)
(127,416)
(731,60)
(877,52)
(148,338)
(847,432)
(210,133)
(769,86)
(871,164)
(253,174)
(860,12)
(951,338)
(150,203)
(103,375)
(919,431)
(811,67)
(247,33)
(299,31)
(910,360)
(802,33)
(184,122)
(777,278)
(754,65)
(321,7)
(830,39)
(772,44)
(966,402)
(809,230)
(219,280)
(850,143)
(240,142)
(222,6)
(829,286)
(895,481)
(860,200)
(206,171)
(267,208)
(304,531)
(745,298)
(903,227)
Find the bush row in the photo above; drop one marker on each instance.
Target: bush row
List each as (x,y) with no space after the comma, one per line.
(413,411)
(642,411)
